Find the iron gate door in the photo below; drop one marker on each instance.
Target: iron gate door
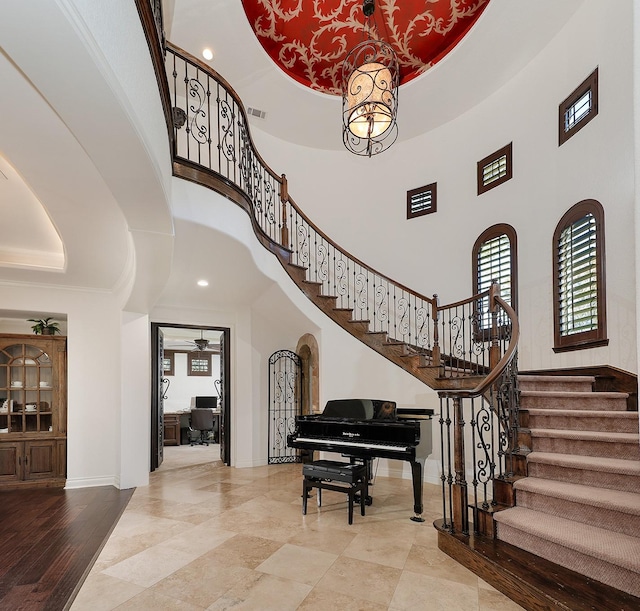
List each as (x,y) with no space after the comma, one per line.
(285,385)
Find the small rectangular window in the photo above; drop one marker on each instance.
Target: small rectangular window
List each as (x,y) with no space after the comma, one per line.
(495,169)
(421,201)
(168,363)
(199,363)
(579,108)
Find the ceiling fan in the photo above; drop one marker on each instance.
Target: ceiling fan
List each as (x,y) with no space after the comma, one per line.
(200,344)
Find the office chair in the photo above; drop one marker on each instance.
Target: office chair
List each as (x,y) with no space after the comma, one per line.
(201,420)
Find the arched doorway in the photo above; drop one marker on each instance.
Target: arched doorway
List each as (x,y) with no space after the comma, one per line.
(307,350)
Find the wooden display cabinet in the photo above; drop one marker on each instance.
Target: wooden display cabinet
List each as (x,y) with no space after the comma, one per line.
(33,410)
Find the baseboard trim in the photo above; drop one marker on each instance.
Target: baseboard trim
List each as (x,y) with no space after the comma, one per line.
(91,482)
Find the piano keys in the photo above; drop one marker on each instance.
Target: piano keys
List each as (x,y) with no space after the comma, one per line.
(366,429)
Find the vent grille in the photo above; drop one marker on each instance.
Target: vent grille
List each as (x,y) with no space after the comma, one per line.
(255,112)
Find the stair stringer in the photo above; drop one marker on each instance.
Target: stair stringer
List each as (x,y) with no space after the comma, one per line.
(409,358)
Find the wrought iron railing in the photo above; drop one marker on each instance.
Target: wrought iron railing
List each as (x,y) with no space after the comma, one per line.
(485,420)
(210,131)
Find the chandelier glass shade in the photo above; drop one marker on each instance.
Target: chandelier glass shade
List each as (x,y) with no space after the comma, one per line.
(370,79)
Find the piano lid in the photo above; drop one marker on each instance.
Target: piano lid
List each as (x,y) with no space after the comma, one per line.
(360,409)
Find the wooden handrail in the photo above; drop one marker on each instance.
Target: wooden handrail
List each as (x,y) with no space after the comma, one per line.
(504,362)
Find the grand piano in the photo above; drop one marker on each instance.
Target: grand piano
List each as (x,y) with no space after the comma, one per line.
(368,428)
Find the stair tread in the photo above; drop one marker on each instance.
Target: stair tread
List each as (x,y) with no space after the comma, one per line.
(617,500)
(581,413)
(563,378)
(594,463)
(613,547)
(586,435)
(566,394)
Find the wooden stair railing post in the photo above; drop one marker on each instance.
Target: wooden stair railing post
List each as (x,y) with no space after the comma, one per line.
(460,493)
(284,198)
(435,352)
(494,349)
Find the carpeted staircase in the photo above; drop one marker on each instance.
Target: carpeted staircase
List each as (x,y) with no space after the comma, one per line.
(579,507)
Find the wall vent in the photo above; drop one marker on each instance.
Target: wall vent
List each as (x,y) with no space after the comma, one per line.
(254,112)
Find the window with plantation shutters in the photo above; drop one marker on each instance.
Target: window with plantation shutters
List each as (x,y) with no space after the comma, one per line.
(579,303)
(495,169)
(422,201)
(494,259)
(579,108)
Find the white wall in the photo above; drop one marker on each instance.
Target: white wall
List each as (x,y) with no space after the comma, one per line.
(183,388)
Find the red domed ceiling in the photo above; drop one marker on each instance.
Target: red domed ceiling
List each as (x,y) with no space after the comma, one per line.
(309,39)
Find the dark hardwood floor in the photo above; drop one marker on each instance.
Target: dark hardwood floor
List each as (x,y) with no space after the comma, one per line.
(49,539)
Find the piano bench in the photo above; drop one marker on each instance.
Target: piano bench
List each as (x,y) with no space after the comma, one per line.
(322,474)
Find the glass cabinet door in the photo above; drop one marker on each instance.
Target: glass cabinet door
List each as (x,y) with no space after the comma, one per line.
(26,389)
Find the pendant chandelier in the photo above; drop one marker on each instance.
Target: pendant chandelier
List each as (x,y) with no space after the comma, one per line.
(370,78)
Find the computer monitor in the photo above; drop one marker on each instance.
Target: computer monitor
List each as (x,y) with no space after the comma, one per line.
(210,402)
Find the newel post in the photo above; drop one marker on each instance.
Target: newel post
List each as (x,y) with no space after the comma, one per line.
(494,349)
(284,198)
(460,499)
(435,352)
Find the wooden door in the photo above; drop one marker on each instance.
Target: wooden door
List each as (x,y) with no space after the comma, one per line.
(11,458)
(157,411)
(225,434)
(40,459)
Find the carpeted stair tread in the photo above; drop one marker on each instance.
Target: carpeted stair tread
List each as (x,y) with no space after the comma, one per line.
(600,401)
(612,547)
(543,378)
(593,463)
(584,419)
(586,443)
(587,435)
(614,500)
(563,394)
(540,382)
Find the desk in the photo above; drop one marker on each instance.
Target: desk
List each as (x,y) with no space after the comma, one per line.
(174,422)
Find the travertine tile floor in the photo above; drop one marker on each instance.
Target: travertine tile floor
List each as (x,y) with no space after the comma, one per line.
(205,536)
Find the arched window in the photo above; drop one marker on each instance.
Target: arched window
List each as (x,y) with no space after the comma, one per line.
(579,278)
(495,258)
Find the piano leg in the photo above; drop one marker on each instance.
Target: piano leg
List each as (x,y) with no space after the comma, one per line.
(417,474)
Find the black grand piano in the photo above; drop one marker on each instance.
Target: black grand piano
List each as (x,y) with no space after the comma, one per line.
(368,428)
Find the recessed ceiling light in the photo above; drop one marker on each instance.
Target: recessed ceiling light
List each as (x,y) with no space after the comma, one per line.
(207,54)
(203,283)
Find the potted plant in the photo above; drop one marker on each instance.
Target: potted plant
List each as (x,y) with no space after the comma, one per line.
(44,326)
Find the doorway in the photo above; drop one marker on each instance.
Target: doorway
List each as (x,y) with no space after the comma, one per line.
(189,363)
